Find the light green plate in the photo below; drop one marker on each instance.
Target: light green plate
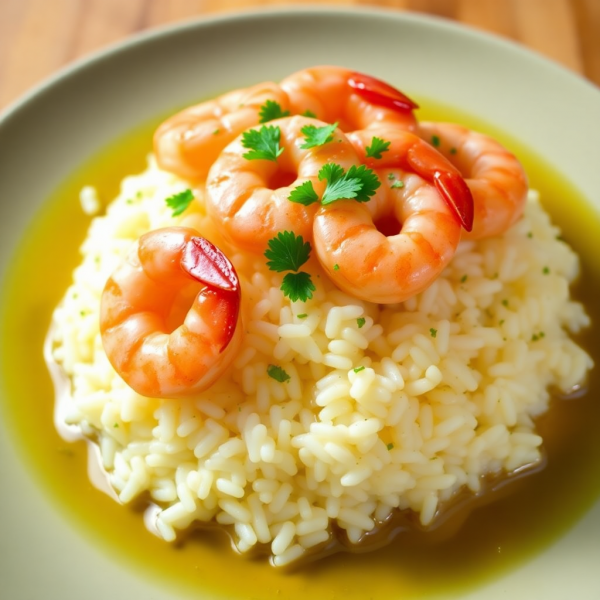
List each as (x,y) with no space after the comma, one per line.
(50,131)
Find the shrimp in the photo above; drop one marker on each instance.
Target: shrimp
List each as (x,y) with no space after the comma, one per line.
(249,198)
(398,246)
(189,142)
(495,177)
(169,314)
(354,100)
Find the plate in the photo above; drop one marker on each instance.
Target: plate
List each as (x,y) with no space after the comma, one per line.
(50,131)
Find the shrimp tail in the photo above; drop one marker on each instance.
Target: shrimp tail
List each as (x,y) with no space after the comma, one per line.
(205,263)
(435,168)
(378,92)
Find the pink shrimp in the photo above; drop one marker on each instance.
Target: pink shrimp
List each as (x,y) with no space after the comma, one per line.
(354,100)
(495,177)
(394,246)
(249,198)
(169,314)
(189,142)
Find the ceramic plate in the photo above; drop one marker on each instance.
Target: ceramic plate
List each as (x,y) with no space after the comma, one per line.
(48,133)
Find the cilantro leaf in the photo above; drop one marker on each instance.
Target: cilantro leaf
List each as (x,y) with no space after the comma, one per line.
(179,202)
(317,136)
(377,147)
(263,143)
(304,194)
(370,181)
(357,183)
(287,252)
(271,110)
(298,286)
(277,373)
(309,113)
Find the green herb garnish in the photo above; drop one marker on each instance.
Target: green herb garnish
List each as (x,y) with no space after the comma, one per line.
(377,147)
(179,202)
(317,136)
(304,194)
(263,143)
(361,322)
(271,110)
(277,373)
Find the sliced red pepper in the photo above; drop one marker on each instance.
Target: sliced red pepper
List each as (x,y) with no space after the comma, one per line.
(457,195)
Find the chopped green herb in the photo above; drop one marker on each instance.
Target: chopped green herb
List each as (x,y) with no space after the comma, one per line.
(534,338)
(302,316)
(390,446)
(359,369)
(277,373)
(453,150)
(505,302)
(216,132)
(298,286)
(433,332)
(304,194)
(271,110)
(530,234)
(358,183)
(336,267)
(287,252)
(377,147)
(263,143)
(361,322)
(116,425)
(397,184)
(317,136)
(391,176)
(310,114)
(463,278)
(435,141)
(546,270)
(501,322)
(179,202)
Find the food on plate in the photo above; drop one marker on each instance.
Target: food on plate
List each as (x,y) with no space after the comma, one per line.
(349,350)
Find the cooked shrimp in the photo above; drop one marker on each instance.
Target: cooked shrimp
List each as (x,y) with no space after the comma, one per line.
(354,100)
(410,153)
(189,142)
(359,245)
(249,198)
(495,177)
(169,314)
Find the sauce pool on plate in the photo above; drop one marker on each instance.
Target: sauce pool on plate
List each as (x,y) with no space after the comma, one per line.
(477,540)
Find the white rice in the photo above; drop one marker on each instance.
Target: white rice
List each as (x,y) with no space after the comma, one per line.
(398,411)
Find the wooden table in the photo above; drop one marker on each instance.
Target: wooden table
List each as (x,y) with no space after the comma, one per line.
(37,37)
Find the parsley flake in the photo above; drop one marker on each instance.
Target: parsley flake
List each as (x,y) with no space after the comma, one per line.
(358,183)
(277,373)
(310,114)
(317,136)
(271,110)
(397,184)
(546,270)
(298,286)
(377,147)
(302,316)
(359,369)
(263,143)
(453,150)
(391,176)
(433,332)
(179,202)
(390,446)
(304,194)
(287,252)
(336,267)
(463,278)
(361,322)
(435,141)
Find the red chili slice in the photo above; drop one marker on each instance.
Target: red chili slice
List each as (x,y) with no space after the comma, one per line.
(457,194)
(380,93)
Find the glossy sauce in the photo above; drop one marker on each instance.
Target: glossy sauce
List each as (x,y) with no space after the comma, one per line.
(475,541)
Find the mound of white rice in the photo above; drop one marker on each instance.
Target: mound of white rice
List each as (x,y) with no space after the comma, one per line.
(387,407)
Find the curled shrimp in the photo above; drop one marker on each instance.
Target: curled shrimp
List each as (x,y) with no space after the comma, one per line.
(250,198)
(189,142)
(354,100)
(169,314)
(495,177)
(359,245)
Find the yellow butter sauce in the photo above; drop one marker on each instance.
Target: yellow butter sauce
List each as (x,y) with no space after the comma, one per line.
(527,514)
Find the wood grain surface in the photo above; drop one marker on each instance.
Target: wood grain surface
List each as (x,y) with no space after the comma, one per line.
(38,37)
